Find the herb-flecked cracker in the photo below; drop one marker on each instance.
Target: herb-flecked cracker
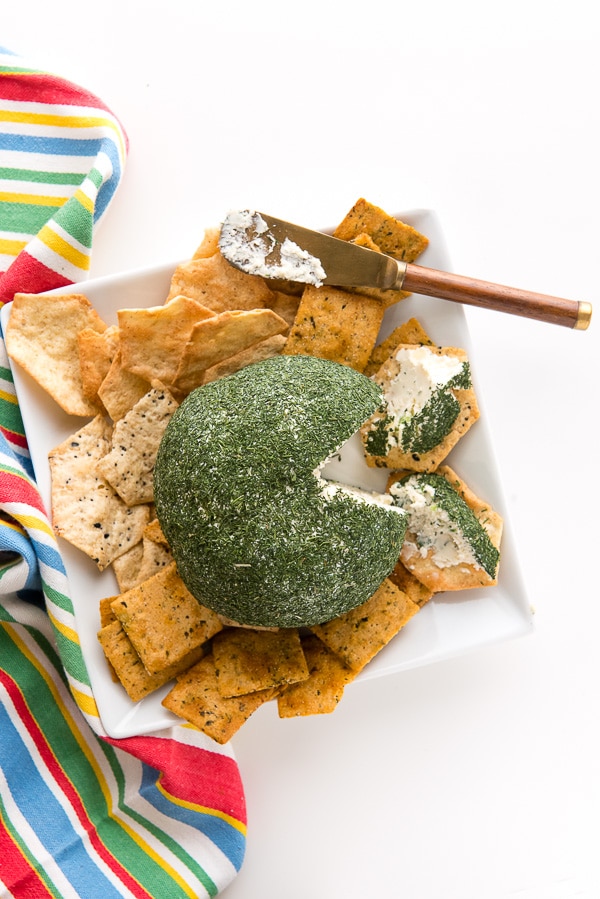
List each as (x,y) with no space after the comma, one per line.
(86,510)
(42,338)
(128,667)
(321,692)
(358,635)
(129,466)
(392,236)
(248,660)
(196,698)
(337,325)
(163,620)
(410,331)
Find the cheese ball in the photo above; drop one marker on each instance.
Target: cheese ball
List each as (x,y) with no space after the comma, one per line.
(257,534)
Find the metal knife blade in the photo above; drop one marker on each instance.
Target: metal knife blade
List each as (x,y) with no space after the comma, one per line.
(261,244)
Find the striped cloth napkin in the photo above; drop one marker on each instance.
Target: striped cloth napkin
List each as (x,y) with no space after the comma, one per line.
(81,814)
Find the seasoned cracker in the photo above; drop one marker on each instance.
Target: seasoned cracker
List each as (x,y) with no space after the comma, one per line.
(129,466)
(337,325)
(358,635)
(391,236)
(321,692)
(128,667)
(41,337)
(163,620)
(209,245)
(121,389)
(265,349)
(86,510)
(410,331)
(196,698)
(96,350)
(248,660)
(416,591)
(154,532)
(212,281)
(107,616)
(153,339)
(141,562)
(221,337)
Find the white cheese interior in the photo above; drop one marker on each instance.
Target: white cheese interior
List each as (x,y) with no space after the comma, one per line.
(437,533)
(421,373)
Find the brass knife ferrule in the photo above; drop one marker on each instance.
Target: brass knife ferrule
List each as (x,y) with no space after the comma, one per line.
(398,283)
(584,317)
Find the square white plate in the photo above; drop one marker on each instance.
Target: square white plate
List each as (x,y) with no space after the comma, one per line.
(450,624)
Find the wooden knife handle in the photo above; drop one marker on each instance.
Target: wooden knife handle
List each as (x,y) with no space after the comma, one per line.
(459,289)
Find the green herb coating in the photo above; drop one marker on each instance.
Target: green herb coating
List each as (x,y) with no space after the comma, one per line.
(448,499)
(424,430)
(236,494)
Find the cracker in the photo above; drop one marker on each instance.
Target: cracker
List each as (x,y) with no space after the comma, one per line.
(358,635)
(141,562)
(462,576)
(196,698)
(209,245)
(86,510)
(129,466)
(42,338)
(248,660)
(163,620)
(337,325)
(402,578)
(391,236)
(384,451)
(153,339)
(212,281)
(96,350)
(410,331)
(221,337)
(107,616)
(128,667)
(265,349)
(321,692)
(286,304)
(154,532)
(121,389)
(387,297)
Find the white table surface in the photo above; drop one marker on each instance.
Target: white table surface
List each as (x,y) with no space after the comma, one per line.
(479,777)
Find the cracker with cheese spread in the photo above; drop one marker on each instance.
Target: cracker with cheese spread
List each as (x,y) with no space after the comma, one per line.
(429,404)
(453,536)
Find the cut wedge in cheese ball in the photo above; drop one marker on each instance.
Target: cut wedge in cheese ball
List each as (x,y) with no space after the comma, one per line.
(258,535)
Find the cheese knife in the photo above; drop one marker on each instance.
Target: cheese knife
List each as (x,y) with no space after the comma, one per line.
(257,243)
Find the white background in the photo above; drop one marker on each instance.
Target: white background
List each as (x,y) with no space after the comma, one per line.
(475,778)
